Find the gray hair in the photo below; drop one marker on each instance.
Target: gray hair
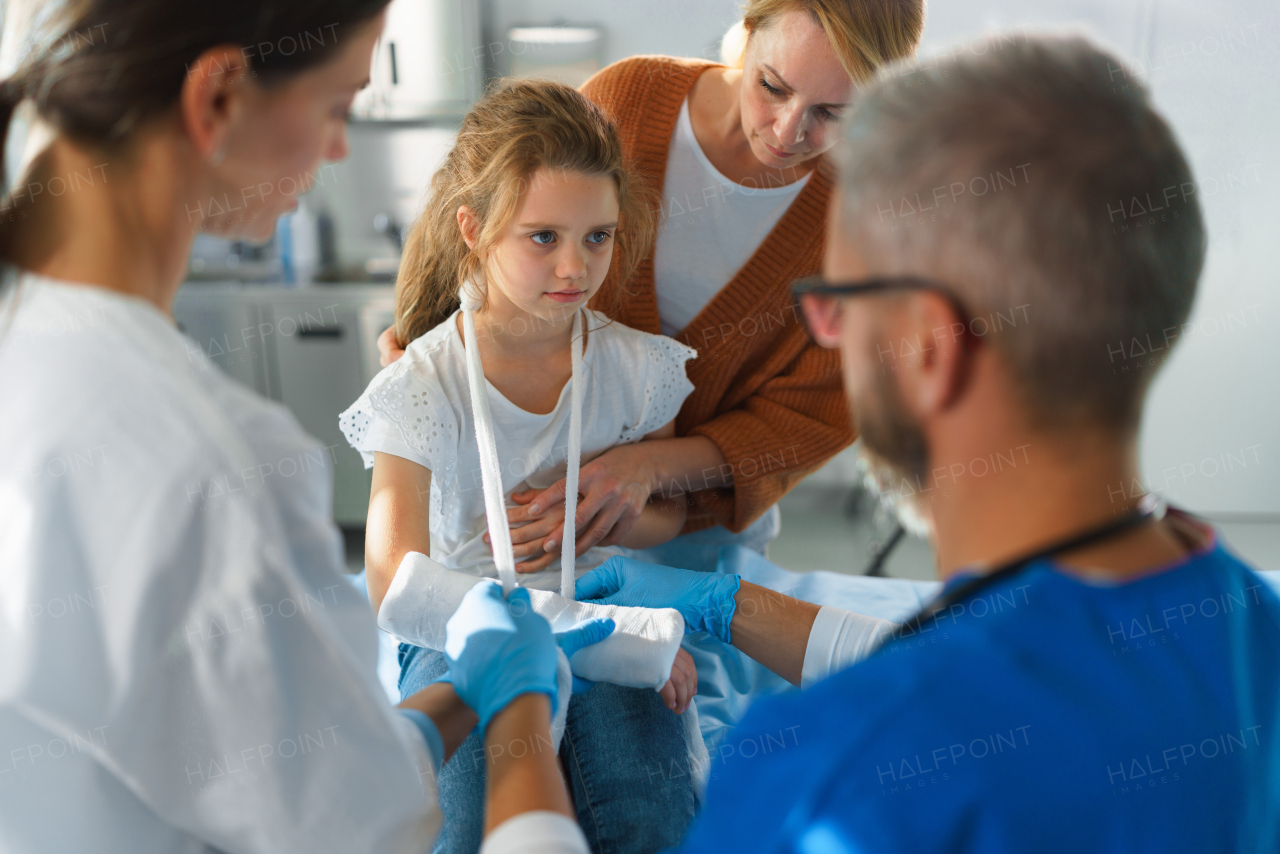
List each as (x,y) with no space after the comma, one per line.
(1037,181)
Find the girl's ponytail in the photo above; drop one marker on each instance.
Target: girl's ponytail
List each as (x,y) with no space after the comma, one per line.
(435,260)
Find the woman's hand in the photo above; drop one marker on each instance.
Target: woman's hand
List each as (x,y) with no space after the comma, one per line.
(388,348)
(683,684)
(615,488)
(537,539)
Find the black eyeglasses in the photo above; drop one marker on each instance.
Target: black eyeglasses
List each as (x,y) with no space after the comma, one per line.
(823,295)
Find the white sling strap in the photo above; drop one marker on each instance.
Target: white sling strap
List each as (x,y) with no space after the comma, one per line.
(495,510)
(568,545)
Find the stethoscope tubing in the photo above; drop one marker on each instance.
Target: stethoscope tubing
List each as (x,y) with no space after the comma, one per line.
(1149,507)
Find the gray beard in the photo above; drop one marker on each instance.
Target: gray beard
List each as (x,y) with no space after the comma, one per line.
(895,492)
(893,456)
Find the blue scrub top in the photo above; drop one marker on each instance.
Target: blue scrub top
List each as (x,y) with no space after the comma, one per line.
(1046,714)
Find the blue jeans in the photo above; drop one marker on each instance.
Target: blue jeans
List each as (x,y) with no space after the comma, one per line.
(624,753)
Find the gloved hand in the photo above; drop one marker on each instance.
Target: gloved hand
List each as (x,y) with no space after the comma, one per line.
(584,634)
(704,599)
(499,649)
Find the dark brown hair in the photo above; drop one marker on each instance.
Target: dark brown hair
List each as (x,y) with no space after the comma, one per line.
(98,69)
(517,128)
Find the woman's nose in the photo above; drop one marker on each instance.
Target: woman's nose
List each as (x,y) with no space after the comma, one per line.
(790,127)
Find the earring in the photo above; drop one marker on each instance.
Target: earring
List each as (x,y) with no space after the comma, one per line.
(218,156)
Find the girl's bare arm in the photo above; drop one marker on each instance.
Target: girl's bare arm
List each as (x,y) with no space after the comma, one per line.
(661,520)
(397,524)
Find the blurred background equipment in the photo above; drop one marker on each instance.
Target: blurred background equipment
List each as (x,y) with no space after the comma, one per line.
(426,65)
(312,349)
(566,54)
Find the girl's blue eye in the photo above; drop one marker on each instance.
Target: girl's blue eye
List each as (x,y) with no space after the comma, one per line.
(598,238)
(550,235)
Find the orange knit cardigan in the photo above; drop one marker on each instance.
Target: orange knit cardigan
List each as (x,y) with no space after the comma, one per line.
(771,399)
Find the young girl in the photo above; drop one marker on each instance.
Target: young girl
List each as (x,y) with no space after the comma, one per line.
(533,214)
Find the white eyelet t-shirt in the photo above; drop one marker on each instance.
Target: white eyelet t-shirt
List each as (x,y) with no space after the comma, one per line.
(711,227)
(419,409)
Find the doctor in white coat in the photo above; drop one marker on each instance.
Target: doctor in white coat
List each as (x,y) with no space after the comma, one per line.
(182,665)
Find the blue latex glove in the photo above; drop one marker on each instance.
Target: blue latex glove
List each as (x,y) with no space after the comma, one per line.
(704,599)
(499,649)
(584,634)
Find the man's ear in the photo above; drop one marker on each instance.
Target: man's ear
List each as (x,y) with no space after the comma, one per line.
(212,98)
(469,225)
(932,356)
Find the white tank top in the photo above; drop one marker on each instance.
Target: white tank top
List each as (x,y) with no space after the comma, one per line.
(711,227)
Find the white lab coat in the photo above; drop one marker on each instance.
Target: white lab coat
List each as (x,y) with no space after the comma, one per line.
(182,665)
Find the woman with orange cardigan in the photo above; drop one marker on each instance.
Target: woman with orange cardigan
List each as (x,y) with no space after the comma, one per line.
(737,152)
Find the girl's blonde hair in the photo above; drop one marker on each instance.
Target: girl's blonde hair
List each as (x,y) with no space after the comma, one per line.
(865,34)
(516,129)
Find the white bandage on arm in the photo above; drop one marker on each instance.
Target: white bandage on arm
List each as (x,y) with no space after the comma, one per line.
(539,832)
(639,654)
(838,639)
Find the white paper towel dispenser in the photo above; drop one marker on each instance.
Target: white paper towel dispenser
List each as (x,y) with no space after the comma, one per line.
(428,63)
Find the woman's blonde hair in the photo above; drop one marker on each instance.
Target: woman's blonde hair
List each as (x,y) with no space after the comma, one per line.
(865,34)
(516,129)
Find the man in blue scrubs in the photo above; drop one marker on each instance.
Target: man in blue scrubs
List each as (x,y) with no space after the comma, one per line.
(1014,249)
